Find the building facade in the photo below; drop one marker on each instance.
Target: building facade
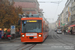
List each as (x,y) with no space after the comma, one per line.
(73,13)
(67,16)
(68,13)
(28,6)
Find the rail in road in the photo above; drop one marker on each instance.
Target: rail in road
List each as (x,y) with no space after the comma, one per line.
(26,46)
(61,40)
(54,40)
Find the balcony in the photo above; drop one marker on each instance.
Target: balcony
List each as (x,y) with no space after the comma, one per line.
(73,4)
(73,18)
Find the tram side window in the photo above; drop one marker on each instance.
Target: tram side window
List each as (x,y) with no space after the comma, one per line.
(44,28)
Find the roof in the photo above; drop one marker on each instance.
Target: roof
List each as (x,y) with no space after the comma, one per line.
(25,4)
(33,12)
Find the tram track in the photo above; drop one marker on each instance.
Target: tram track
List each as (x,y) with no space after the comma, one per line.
(29,47)
(20,47)
(65,40)
(62,41)
(59,39)
(26,47)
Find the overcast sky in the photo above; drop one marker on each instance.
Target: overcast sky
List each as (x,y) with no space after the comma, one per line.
(52,10)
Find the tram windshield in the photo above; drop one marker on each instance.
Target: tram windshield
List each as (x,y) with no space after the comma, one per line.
(31,26)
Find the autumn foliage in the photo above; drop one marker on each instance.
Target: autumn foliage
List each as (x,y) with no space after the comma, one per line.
(8,14)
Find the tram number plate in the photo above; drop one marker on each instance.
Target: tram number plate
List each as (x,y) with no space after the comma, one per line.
(31,34)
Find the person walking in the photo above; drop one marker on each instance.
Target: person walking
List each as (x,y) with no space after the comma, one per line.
(71,31)
(5,32)
(64,31)
(0,34)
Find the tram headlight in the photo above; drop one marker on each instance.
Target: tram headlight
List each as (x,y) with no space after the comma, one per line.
(22,35)
(40,35)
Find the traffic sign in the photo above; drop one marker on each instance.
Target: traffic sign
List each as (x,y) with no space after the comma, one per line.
(12,29)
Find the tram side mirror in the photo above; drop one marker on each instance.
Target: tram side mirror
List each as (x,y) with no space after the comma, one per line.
(24,23)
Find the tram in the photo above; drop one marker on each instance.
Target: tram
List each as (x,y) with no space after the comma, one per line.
(34,29)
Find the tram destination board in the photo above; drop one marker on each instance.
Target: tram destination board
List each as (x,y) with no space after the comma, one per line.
(32,21)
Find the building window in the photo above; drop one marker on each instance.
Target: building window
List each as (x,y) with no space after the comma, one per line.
(73,8)
(73,18)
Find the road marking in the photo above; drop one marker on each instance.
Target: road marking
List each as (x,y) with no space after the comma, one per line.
(55,47)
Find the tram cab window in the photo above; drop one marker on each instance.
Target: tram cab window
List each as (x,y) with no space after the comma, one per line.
(24,23)
(32,26)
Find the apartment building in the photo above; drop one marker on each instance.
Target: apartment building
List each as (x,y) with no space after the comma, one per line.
(73,13)
(28,6)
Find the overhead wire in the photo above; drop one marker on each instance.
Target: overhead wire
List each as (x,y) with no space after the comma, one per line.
(49,2)
(57,8)
(55,2)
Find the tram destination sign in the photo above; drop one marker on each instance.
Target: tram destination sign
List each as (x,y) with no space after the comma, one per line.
(32,21)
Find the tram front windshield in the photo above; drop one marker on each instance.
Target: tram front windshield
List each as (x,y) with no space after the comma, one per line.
(31,26)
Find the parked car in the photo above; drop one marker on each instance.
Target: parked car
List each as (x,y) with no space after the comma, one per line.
(59,31)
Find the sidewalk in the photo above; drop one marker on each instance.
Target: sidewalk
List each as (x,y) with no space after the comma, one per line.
(4,41)
(9,41)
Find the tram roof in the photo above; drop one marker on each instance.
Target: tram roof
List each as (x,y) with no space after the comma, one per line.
(32,18)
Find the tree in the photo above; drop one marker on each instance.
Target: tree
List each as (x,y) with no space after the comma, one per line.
(9,14)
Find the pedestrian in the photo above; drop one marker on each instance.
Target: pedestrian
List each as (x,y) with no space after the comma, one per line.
(4,35)
(8,31)
(64,31)
(0,34)
(19,32)
(5,32)
(71,31)
(68,31)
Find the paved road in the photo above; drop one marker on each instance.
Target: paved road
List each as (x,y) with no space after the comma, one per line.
(53,42)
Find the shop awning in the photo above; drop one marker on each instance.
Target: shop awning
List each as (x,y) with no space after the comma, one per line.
(71,25)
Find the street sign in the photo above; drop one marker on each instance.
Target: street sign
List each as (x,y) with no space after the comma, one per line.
(12,29)
(63,24)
